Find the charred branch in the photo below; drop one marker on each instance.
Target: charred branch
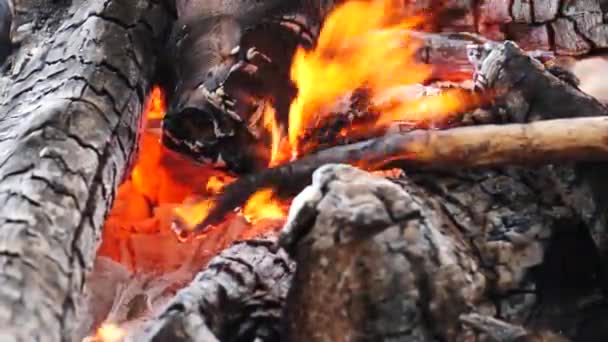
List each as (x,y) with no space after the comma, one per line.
(238,297)
(563,140)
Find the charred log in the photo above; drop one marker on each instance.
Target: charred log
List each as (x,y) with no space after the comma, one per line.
(571,28)
(238,297)
(71,99)
(404,260)
(230,57)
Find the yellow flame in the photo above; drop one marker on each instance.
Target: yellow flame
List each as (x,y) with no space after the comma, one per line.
(155,105)
(109,332)
(359,45)
(271,125)
(192,214)
(263,205)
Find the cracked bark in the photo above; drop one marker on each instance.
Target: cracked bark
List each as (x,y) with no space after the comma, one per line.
(422,257)
(573,27)
(71,97)
(238,297)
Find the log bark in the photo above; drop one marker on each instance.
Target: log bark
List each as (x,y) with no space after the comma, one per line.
(417,258)
(238,297)
(71,99)
(571,28)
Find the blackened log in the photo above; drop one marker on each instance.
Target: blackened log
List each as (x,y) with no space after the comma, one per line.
(238,297)
(70,109)
(525,89)
(528,91)
(402,261)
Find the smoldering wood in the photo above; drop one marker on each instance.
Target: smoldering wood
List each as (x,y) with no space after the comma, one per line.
(238,297)
(229,56)
(72,95)
(413,258)
(542,142)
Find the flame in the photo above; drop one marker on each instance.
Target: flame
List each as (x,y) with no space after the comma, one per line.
(189,215)
(278,149)
(263,205)
(215,184)
(155,105)
(109,332)
(362,44)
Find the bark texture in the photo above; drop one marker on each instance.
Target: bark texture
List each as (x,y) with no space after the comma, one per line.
(571,27)
(71,98)
(238,297)
(404,260)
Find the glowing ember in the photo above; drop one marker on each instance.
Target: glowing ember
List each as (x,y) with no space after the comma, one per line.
(263,205)
(189,215)
(155,106)
(216,184)
(109,333)
(361,44)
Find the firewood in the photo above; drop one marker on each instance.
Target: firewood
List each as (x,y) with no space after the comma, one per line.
(541,142)
(405,260)
(238,297)
(571,28)
(71,102)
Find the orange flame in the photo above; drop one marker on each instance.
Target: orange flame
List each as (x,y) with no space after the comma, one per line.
(109,332)
(216,184)
(279,151)
(361,44)
(263,205)
(155,106)
(191,214)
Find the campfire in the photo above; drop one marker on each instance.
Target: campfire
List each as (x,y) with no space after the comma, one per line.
(304,171)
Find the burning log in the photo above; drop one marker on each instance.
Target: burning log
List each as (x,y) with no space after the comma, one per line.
(563,140)
(72,96)
(516,80)
(238,297)
(409,259)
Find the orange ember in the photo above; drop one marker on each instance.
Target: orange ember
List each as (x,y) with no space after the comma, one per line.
(109,333)
(155,106)
(262,206)
(362,44)
(163,187)
(189,215)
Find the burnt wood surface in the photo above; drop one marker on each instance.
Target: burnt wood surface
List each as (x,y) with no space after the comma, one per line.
(468,256)
(570,27)
(238,297)
(523,90)
(71,98)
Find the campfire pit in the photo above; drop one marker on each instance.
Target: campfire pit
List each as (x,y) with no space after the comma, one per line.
(161,184)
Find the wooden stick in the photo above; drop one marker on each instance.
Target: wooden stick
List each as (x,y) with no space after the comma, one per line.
(550,141)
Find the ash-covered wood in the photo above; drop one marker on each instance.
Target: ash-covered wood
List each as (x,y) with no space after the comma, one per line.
(413,259)
(70,104)
(238,297)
